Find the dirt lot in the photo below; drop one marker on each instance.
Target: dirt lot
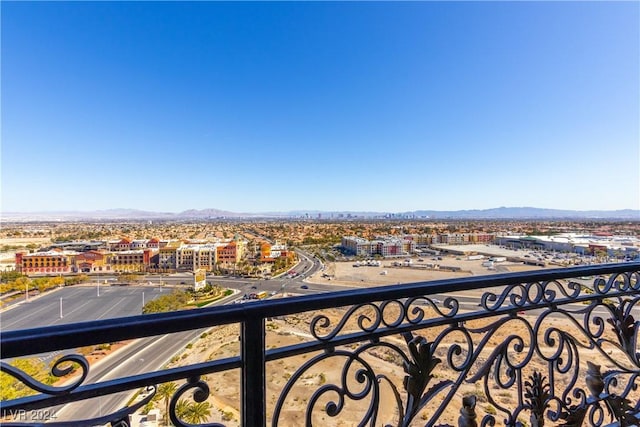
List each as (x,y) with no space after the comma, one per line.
(388,274)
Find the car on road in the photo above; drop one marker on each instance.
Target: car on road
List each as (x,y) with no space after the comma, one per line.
(254,287)
(304,287)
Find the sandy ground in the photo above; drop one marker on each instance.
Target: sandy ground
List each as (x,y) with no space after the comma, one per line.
(8,258)
(24,241)
(223,342)
(387,364)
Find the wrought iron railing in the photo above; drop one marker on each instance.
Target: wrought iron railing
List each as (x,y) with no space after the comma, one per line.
(530,348)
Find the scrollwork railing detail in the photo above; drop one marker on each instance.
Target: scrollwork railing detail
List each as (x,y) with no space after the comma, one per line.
(200,394)
(61,367)
(626,328)
(542,366)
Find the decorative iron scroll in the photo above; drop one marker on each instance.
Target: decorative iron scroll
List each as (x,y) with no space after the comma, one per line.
(546,372)
(62,367)
(120,418)
(407,311)
(200,394)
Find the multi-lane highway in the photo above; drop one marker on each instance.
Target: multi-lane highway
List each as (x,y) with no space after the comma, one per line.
(143,355)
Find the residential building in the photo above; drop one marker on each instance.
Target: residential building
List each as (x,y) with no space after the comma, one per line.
(167,258)
(356,245)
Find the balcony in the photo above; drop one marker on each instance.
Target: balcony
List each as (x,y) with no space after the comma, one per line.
(554,347)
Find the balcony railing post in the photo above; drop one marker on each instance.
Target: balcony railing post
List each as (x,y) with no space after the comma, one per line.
(253,373)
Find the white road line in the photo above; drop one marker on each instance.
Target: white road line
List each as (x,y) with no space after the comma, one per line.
(131,358)
(22,318)
(111,308)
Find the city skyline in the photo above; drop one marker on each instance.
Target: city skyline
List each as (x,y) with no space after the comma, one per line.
(258,107)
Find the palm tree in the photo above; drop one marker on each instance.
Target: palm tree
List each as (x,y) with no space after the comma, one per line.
(198,412)
(166,391)
(182,407)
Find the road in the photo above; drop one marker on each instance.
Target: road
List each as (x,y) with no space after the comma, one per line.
(82,303)
(143,355)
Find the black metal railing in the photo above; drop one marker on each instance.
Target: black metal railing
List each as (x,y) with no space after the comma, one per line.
(516,349)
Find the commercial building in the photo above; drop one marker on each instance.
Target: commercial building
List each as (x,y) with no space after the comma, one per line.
(196,257)
(231,252)
(148,255)
(270,252)
(130,261)
(592,244)
(92,262)
(46,263)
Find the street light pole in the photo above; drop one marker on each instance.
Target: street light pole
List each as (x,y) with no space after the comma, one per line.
(61,308)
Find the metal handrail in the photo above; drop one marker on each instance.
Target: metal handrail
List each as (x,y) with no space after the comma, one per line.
(37,340)
(515,296)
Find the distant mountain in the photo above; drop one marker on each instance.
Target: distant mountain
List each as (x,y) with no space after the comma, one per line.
(496,213)
(212,213)
(127,213)
(107,214)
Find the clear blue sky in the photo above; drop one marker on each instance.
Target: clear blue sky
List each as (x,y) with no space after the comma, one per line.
(253,107)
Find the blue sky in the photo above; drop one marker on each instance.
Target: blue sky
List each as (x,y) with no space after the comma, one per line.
(253,107)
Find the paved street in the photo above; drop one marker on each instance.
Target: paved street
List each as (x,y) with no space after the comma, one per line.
(79,304)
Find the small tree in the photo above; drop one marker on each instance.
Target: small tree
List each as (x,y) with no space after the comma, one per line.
(181,408)
(165,392)
(11,388)
(198,412)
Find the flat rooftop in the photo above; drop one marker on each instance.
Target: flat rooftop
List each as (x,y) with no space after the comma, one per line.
(481,249)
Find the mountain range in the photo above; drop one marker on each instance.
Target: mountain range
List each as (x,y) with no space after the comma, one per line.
(203,214)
